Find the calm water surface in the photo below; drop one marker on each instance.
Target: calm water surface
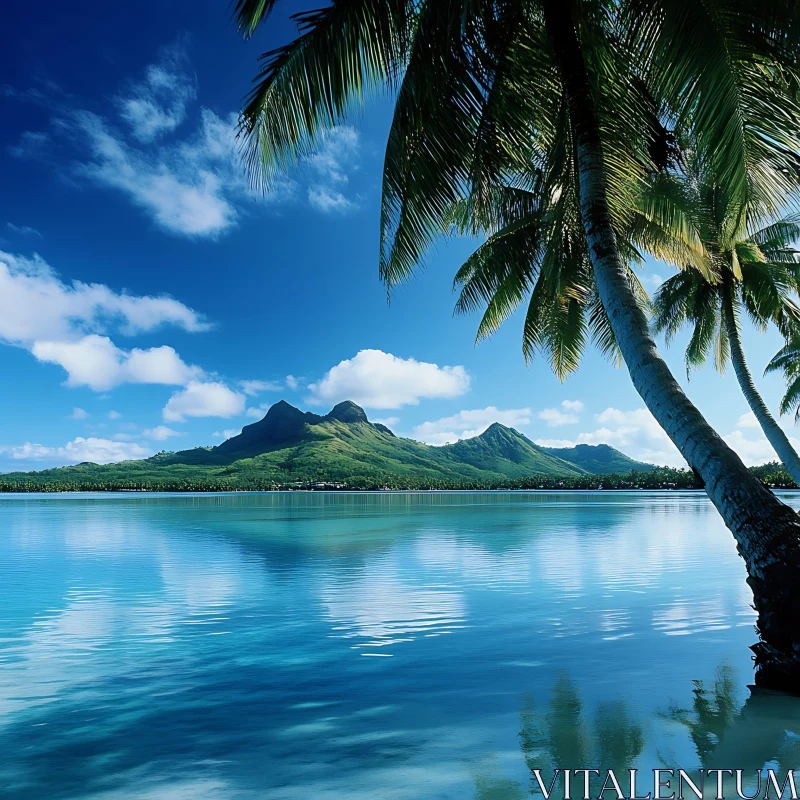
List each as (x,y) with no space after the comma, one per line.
(287,646)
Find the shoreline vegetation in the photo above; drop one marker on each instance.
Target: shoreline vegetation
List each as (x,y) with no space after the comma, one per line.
(774,475)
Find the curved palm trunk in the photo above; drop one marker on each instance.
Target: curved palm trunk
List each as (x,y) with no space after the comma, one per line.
(767,532)
(774,433)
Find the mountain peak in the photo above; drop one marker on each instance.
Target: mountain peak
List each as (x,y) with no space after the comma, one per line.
(495,427)
(281,425)
(498,431)
(282,409)
(347,411)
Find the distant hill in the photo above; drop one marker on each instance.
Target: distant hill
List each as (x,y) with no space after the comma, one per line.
(599,459)
(289,446)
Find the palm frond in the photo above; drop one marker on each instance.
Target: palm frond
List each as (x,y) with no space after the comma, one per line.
(672,304)
(791,400)
(249,14)
(307,86)
(459,125)
(722,349)
(708,62)
(780,235)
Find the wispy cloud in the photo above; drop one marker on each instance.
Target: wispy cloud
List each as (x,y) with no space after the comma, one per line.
(329,201)
(157,104)
(23,230)
(31,144)
(253,388)
(178,162)
(192,188)
(337,153)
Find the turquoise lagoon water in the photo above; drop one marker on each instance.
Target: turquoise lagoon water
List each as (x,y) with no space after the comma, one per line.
(287,646)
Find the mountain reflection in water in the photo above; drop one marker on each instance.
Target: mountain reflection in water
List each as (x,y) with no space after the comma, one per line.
(279,647)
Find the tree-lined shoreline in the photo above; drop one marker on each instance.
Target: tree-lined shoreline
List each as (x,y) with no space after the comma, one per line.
(772,474)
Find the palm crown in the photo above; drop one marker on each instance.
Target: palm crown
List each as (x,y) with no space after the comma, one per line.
(480,101)
(481,140)
(693,224)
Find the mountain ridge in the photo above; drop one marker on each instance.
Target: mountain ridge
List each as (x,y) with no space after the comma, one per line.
(293,447)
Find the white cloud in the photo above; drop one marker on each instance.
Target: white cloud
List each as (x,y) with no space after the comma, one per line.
(23,230)
(228,433)
(201,399)
(78,413)
(32,144)
(157,104)
(554,442)
(161,433)
(553,417)
(252,388)
(188,189)
(751,451)
(754,451)
(99,451)
(636,433)
(389,422)
(380,380)
(195,186)
(328,201)
(30,451)
(337,151)
(35,304)
(257,412)
(469,423)
(95,361)
(292,382)
(567,415)
(652,281)
(113,414)
(747,420)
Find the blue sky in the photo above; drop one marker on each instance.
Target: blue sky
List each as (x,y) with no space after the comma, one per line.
(149,300)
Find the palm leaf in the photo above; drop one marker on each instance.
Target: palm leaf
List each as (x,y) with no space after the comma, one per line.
(309,85)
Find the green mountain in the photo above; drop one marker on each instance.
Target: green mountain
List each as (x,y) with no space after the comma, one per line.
(289,446)
(599,459)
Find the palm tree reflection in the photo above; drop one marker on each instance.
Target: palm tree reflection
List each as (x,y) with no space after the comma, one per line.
(764,730)
(562,737)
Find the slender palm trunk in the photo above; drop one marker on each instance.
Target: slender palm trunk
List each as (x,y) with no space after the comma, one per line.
(767,532)
(774,433)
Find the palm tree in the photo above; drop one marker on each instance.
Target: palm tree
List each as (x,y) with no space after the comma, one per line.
(492,93)
(726,272)
(787,360)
